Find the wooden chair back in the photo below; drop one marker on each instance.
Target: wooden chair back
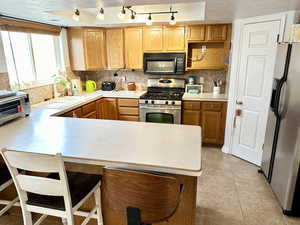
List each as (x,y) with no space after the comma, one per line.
(23,161)
(157,196)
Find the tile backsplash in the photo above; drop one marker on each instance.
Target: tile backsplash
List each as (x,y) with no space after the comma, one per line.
(4,82)
(140,78)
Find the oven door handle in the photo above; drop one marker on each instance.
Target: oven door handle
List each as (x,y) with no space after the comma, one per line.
(159,108)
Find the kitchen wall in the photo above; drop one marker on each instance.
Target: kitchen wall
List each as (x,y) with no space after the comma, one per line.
(141,79)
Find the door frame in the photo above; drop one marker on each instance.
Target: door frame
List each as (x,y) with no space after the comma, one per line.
(238,26)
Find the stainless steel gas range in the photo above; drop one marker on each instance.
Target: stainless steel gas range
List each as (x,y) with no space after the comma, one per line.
(162,102)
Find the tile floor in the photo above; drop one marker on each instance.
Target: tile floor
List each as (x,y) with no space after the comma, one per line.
(231,192)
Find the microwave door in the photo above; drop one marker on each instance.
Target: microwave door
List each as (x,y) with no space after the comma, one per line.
(161,66)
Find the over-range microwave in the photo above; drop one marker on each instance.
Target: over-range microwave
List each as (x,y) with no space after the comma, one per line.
(164,63)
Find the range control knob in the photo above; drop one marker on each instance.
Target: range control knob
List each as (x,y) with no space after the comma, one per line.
(173,103)
(167,102)
(146,101)
(152,102)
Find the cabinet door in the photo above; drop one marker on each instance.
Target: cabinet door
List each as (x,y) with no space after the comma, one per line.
(94,49)
(153,39)
(115,48)
(196,33)
(216,32)
(174,38)
(134,48)
(211,126)
(191,117)
(108,108)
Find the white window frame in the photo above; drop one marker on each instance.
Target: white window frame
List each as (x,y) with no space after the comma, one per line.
(58,56)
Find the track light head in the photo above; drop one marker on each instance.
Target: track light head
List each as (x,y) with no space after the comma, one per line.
(76,15)
(122,13)
(100,15)
(172,20)
(149,20)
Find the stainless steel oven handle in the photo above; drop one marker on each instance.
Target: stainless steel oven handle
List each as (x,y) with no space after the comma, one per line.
(160,108)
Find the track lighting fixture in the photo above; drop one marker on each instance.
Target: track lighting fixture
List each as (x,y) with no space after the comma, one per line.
(149,20)
(122,14)
(76,15)
(172,20)
(132,16)
(100,15)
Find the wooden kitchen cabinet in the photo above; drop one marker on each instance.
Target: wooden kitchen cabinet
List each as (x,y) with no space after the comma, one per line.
(87,48)
(153,39)
(196,33)
(216,32)
(115,48)
(211,116)
(128,109)
(107,109)
(133,48)
(73,113)
(174,38)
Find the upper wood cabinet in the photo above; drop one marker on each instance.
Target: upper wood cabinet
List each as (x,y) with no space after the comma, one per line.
(134,48)
(115,48)
(163,38)
(153,39)
(87,48)
(174,38)
(216,32)
(196,33)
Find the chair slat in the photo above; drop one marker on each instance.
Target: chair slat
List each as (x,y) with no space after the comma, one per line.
(38,163)
(40,185)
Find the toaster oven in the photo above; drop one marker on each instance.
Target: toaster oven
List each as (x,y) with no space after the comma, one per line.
(13,105)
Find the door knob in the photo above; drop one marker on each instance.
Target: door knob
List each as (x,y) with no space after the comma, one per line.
(239,103)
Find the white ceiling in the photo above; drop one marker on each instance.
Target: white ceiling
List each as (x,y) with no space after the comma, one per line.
(216,10)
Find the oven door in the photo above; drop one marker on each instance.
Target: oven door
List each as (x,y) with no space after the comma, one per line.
(160,114)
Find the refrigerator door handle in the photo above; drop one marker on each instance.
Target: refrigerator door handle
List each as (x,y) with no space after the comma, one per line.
(282,100)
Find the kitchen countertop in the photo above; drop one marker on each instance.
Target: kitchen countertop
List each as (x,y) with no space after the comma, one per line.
(166,148)
(205,97)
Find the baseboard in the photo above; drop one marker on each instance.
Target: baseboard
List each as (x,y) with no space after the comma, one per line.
(225,149)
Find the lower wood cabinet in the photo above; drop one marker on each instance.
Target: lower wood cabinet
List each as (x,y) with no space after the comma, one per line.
(211,116)
(128,109)
(107,109)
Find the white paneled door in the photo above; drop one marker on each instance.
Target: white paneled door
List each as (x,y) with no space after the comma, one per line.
(255,78)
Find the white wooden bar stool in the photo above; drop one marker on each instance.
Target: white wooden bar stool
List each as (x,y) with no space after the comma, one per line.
(59,194)
(5,182)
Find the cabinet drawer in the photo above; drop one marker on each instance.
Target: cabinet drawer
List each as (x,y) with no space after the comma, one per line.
(128,118)
(212,106)
(128,102)
(90,107)
(192,105)
(128,111)
(92,115)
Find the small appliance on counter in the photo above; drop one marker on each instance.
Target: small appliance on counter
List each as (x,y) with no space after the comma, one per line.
(13,105)
(108,86)
(194,88)
(90,86)
(191,80)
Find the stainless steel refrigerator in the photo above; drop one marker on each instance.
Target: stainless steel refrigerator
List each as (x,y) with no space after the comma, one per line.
(281,155)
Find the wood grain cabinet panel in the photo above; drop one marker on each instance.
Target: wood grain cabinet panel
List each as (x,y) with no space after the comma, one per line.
(87,48)
(153,39)
(174,38)
(129,118)
(128,111)
(128,102)
(133,48)
(88,108)
(191,117)
(211,125)
(196,33)
(216,32)
(107,109)
(92,115)
(193,105)
(115,48)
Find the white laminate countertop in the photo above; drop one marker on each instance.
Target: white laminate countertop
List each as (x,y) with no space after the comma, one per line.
(147,146)
(205,97)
